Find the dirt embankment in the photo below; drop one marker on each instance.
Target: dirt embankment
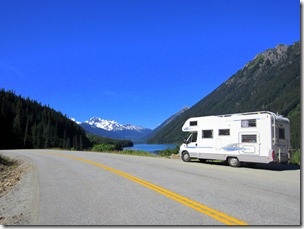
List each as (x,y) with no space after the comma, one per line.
(18,192)
(10,173)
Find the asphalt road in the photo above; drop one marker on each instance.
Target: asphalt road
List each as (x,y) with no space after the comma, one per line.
(87,188)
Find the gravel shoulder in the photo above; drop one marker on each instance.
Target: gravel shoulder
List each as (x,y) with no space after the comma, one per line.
(19,195)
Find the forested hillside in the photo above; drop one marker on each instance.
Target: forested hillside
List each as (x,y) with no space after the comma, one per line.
(25,123)
(270,82)
(163,124)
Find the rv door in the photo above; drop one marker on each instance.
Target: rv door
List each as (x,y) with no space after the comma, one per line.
(191,144)
(282,141)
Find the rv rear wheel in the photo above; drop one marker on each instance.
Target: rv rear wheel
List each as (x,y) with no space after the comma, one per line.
(234,162)
(186,156)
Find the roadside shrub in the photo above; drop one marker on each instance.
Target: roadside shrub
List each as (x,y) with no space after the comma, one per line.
(136,153)
(168,152)
(296,157)
(104,147)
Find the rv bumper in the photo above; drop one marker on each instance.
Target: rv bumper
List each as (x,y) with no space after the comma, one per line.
(284,158)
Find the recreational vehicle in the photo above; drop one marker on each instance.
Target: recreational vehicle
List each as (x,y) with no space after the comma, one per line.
(256,137)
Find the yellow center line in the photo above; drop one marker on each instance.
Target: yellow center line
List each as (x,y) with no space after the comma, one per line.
(220,216)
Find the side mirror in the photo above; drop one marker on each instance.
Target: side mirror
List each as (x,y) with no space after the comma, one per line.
(185,141)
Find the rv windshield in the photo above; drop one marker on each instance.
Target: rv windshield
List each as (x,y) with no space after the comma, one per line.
(192,138)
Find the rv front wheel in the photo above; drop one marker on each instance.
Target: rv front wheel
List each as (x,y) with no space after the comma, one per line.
(234,162)
(186,156)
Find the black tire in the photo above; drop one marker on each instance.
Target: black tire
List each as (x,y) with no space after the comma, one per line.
(234,162)
(186,156)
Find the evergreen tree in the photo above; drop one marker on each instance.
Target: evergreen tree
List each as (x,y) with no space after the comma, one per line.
(28,124)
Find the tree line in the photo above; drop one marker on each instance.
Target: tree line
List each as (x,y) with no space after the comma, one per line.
(25,123)
(114,144)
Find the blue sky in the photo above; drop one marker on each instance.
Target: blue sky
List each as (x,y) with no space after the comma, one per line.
(134,61)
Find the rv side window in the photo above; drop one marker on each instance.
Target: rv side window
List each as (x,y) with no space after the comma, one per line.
(193,123)
(249,138)
(224,132)
(248,123)
(207,134)
(281,133)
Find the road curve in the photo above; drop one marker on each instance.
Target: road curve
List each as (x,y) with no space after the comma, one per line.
(87,188)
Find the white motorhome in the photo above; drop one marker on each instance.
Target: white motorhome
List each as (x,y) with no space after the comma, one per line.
(256,137)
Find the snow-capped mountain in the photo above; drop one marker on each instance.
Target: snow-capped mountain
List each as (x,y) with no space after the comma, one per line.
(113,129)
(111,125)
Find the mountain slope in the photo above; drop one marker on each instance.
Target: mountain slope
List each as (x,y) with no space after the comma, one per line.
(113,129)
(271,81)
(163,124)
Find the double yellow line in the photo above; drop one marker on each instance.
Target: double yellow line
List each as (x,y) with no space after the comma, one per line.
(222,217)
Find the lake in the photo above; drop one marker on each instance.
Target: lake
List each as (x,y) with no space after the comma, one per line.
(151,148)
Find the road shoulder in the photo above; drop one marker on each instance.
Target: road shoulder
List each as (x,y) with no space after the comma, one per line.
(19,202)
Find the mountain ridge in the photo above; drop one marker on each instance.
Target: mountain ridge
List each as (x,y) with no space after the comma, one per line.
(112,125)
(271,81)
(113,129)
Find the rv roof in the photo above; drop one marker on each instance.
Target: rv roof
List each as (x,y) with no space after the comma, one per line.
(248,113)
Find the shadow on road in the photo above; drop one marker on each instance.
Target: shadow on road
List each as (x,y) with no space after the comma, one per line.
(270,166)
(277,167)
